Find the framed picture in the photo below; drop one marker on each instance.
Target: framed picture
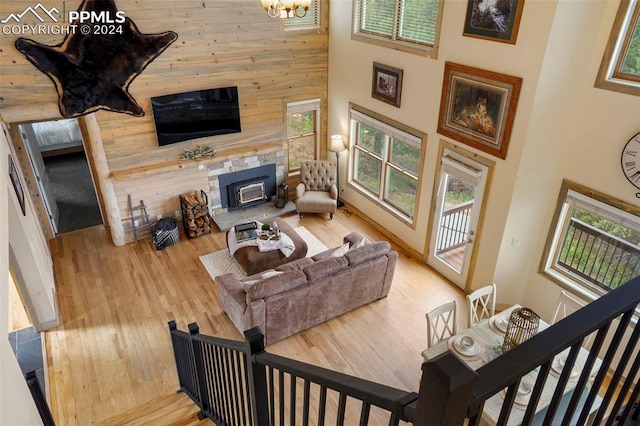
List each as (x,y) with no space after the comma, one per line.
(478,107)
(17,186)
(496,20)
(387,84)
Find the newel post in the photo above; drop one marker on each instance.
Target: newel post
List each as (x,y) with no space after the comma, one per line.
(205,406)
(445,391)
(254,340)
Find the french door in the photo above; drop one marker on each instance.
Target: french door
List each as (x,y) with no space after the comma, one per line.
(458,204)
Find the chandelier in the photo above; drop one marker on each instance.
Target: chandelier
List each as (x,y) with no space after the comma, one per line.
(286,9)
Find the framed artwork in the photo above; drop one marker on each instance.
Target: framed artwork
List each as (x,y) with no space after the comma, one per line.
(17,186)
(387,84)
(496,20)
(478,107)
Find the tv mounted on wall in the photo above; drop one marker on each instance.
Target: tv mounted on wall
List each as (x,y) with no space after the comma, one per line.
(198,114)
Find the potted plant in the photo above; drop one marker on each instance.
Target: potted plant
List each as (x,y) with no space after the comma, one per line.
(266,230)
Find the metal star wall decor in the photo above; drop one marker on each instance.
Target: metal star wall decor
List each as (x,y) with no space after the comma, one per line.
(92,69)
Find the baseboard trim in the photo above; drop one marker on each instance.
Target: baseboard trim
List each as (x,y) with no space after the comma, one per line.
(409,250)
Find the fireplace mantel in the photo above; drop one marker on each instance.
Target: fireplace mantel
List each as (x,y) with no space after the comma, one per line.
(169,164)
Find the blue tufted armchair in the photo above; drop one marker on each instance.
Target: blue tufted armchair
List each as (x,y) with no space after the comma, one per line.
(317,191)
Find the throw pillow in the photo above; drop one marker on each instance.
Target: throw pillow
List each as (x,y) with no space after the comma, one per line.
(270,273)
(340,251)
(361,243)
(246,285)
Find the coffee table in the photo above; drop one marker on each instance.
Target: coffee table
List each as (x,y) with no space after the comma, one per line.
(253,260)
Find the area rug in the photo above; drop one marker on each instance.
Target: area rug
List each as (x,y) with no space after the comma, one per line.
(222,262)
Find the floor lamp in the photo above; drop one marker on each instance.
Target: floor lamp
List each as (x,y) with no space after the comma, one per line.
(336,144)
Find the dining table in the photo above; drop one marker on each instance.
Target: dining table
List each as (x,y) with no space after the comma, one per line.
(482,342)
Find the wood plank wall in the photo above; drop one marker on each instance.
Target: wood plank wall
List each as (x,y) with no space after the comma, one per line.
(220,43)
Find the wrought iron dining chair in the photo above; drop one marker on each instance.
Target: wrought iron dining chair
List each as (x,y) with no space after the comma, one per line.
(481,304)
(441,323)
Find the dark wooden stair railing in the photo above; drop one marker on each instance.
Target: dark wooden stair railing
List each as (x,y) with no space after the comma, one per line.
(238,383)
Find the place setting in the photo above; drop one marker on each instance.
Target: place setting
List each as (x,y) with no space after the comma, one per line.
(523,395)
(465,345)
(499,323)
(558,364)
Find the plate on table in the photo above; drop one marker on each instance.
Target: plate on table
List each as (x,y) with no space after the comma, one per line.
(558,365)
(499,323)
(522,395)
(465,345)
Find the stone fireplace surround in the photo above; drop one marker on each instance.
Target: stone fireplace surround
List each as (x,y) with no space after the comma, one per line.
(230,165)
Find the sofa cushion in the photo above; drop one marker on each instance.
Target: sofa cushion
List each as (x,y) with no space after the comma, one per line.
(296,265)
(367,252)
(276,284)
(324,268)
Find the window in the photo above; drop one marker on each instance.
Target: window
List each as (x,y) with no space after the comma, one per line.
(620,67)
(410,25)
(386,163)
(594,243)
(311,21)
(302,132)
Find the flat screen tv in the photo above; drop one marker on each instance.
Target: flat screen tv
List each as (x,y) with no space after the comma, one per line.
(198,114)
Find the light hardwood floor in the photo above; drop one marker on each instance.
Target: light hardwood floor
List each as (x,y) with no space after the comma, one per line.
(113,351)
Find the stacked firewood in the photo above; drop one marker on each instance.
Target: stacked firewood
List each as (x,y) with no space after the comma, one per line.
(195,214)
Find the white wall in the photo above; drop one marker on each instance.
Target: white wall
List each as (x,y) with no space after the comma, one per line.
(580,132)
(16,405)
(350,68)
(564,127)
(33,267)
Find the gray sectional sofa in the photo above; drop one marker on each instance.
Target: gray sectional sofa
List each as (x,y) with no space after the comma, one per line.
(308,291)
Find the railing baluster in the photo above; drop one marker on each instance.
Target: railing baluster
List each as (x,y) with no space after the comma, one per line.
(39,398)
(552,408)
(243,386)
(292,400)
(272,397)
(536,393)
(305,406)
(615,378)
(342,406)
(322,406)
(507,406)
(453,227)
(208,378)
(281,396)
(627,385)
(218,385)
(199,367)
(364,414)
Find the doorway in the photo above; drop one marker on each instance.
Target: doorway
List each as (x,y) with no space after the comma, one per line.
(24,339)
(59,162)
(454,227)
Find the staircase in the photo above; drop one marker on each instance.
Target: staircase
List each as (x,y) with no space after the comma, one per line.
(175,409)
(238,383)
